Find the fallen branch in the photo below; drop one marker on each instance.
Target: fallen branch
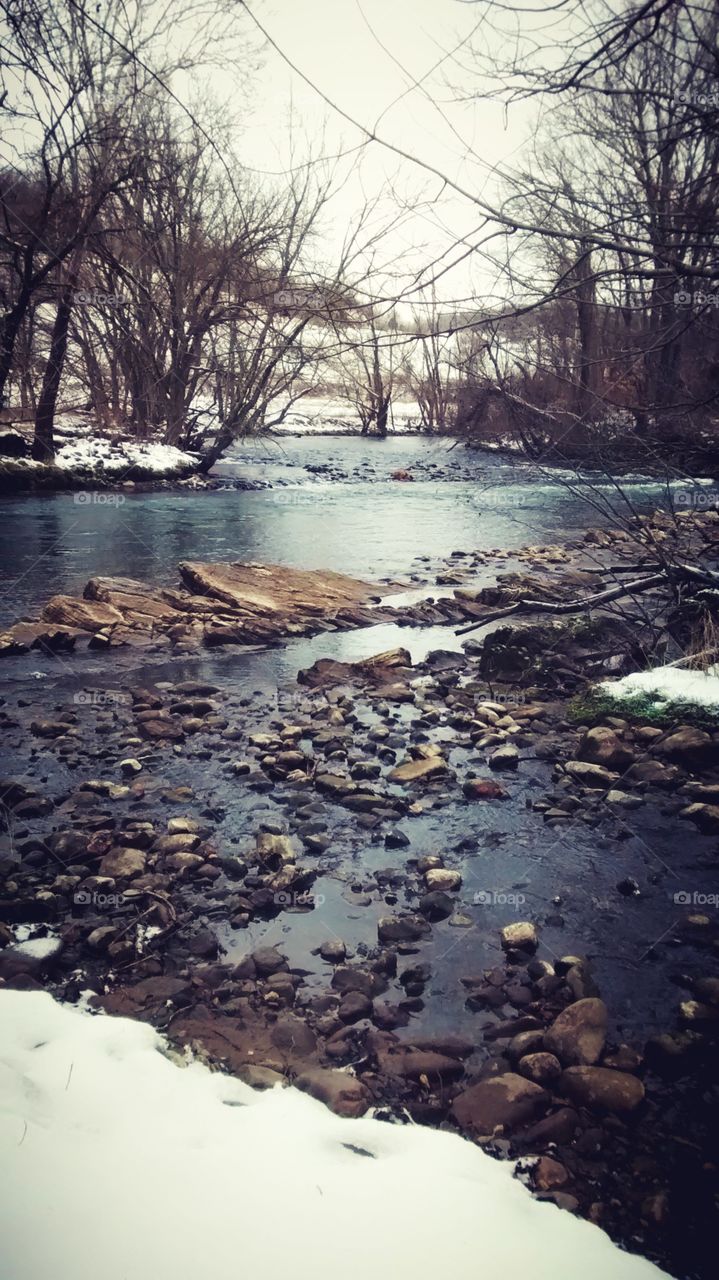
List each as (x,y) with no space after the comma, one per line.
(571,606)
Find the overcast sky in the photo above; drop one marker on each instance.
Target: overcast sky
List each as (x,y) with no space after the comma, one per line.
(364,55)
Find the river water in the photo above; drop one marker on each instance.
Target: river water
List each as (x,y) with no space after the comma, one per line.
(364,524)
(334,504)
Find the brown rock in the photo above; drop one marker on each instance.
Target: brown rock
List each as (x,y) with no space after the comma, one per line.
(601,745)
(503,1102)
(342,1093)
(69,611)
(122,863)
(602,1088)
(412,770)
(578,1034)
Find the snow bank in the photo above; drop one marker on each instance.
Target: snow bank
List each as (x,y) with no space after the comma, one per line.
(668,684)
(119,1163)
(109,456)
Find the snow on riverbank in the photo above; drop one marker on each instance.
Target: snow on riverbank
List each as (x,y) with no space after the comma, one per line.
(668,684)
(117,1162)
(109,456)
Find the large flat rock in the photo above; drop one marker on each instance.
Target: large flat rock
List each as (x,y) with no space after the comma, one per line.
(275,589)
(216,604)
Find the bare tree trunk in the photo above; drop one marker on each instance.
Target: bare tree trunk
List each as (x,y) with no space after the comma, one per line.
(43,445)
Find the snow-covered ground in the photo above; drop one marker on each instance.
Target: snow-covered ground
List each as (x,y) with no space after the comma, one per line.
(111,456)
(668,684)
(118,1162)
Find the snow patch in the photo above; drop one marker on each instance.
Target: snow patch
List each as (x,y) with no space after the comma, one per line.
(119,1161)
(110,456)
(668,684)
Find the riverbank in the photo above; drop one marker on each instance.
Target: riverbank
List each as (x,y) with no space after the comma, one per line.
(432,888)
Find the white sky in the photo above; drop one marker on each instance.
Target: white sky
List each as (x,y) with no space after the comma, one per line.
(350,49)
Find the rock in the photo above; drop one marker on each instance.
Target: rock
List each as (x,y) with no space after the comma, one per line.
(521,936)
(130,767)
(443,879)
(258,1077)
(690,747)
(527,1042)
(590,775)
(549,1174)
(275,592)
(410,1064)
(602,1088)
(407,928)
(334,951)
(68,611)
(502,1102)
(704,816)
(30,959)
(436,906)
(578,1034)
(451,1046)
(342,1093)
(601,745)
(505,757)
(268,960)
(49,728)
(542,1068)
(483,789)
(160,728)
(123,863)
(355,1006)
(413,770)
(396,839)
(653,773)
(346,979)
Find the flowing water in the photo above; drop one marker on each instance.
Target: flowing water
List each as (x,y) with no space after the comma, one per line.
(334,505)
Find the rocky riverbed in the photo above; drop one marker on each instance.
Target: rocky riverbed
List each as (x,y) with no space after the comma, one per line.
(439,889)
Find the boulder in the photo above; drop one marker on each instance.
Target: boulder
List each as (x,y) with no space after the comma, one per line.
(502,1103)
(123,863)
(409,928)
(689,747)
(704,816)
(484,789)
(342,1093)
(590,775)
(601,745)
(521,936)
(505,757)
(578,1034)
(412,770)
(602,1088)
(69,611)
(443,879)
